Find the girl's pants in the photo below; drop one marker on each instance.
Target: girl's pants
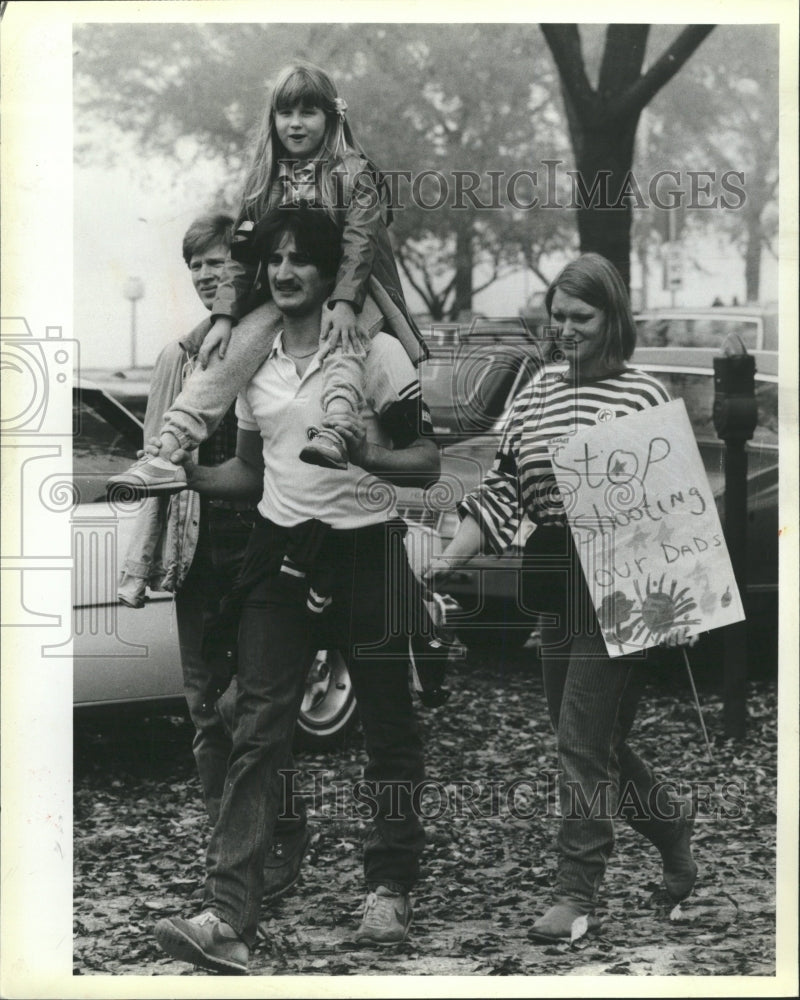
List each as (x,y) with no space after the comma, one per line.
(276,640)
(592,701)
(208,392)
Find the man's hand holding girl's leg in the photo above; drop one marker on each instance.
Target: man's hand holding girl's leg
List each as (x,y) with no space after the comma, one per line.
(159,470)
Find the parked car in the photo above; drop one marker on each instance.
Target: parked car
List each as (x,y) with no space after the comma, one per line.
(128,386)
(130,657)
(488,589)
(754,326)
(468,381)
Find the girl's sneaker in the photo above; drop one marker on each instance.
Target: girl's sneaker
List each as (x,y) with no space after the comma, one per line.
(326,449)
(151,476)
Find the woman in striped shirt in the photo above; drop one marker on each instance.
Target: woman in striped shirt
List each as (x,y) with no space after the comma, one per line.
(591,698)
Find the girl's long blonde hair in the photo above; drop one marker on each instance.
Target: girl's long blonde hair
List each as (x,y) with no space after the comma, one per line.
(308,85)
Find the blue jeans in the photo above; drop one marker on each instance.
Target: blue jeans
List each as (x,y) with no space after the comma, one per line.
(277,637)
(592,701)
(221,542)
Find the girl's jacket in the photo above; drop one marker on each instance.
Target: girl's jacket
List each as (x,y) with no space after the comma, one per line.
(165,534)
(368,264)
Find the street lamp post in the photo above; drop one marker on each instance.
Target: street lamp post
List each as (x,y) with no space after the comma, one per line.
(673,260)
(133,291)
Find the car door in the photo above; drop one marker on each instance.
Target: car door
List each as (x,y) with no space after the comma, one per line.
(122,655)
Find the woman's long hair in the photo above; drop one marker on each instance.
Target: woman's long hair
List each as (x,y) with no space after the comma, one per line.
(308,85)
(595,280)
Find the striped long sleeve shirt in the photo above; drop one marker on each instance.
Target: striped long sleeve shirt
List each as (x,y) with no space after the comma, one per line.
(549,408)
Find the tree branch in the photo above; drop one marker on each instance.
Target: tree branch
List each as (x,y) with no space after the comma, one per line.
(424,293)
(662,70)
(623,56)
(564,42)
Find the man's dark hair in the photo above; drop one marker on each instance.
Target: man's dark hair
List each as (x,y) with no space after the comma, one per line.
(315,234)
(207,231)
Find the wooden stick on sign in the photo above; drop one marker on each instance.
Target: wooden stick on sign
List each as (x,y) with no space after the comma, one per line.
(697,704)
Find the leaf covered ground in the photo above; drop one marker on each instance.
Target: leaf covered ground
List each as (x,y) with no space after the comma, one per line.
(140,832)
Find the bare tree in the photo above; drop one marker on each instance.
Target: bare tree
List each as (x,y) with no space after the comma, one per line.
(603,121)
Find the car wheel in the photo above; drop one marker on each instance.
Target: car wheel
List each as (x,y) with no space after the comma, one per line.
(328,711)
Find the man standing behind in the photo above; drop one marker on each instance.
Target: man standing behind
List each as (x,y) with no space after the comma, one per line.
(323,555)
(193,546)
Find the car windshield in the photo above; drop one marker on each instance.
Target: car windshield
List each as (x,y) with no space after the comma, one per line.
(696,331)
(99,448)
(437,386)
(468,387)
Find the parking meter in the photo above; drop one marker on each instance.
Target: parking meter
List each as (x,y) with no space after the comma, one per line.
(735,417)
(735,410)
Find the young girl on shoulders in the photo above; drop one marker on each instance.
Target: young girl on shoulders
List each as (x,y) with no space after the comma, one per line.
(305,152)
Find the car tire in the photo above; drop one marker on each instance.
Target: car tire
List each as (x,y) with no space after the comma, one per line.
(328,712)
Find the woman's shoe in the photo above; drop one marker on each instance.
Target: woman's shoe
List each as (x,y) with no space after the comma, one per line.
(566,920)
(680,869)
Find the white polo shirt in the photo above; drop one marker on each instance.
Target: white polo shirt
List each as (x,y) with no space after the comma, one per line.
(281,406)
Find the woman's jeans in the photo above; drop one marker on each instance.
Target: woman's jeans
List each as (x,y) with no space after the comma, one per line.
(277,638)
(592,701)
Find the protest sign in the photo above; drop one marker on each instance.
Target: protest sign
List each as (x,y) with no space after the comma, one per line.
(646,528)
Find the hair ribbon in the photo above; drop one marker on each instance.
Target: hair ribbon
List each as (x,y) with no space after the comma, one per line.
(340,107)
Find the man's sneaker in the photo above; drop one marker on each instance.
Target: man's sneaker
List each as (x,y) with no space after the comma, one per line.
(151,476)
(326,449)
(680,870)
(206,941)
(387,917)
(282,867)
(566,920)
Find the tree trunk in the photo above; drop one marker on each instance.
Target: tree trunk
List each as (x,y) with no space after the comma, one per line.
(602,122)
(462,301)
(605,217)
(642,252)
(752,259)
